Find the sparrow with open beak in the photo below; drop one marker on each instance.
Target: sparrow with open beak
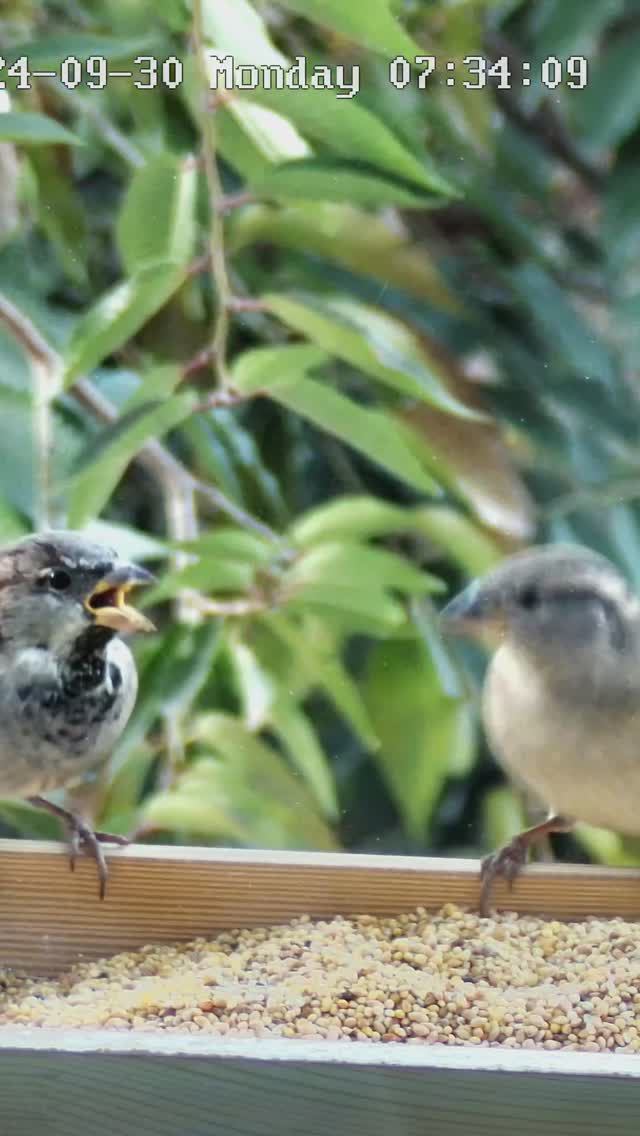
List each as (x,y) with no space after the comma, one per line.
(68,682)
(561,699)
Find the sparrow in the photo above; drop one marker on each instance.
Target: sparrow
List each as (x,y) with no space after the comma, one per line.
(561,696)
(68,681)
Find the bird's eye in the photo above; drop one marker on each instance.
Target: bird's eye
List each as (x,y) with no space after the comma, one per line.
(529,597)
(56,579)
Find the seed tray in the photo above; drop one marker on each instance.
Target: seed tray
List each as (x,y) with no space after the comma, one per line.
(64,1082)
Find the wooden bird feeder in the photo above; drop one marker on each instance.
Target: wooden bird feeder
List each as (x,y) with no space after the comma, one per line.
(71,1082)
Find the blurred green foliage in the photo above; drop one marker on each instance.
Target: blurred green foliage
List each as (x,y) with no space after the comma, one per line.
(320,359)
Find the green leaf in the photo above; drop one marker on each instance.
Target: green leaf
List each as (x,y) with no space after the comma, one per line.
(61,213)
(314,180)
(45,52)
(122,795)
(322,670)
(17,467)
(369,23)
(277,372)
(157,221)
(230,738)
(32,129)
(350,518)
(256,687)
(11,523)
(608,848)
(211,455)
(116,317)
(252,138)
(305,753)
(362,242)
(503,816)
(369,611)
(347,128)
(459,537)
(220,801)
(360,517)
(250,135)
(171,677)
(207,576)
(371,340)
(29,822)
(561,327)
(241,27)
(609,107)
(94,484)
(571,27)
(424,735)
(361,566)
(621,217)
(262,794)
(254,482)
(155,383)
(262,368)
(230,544)
(340,124)
(198,805)
(371,432)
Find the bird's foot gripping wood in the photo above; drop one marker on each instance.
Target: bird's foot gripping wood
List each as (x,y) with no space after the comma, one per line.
(83,837)
(509,860)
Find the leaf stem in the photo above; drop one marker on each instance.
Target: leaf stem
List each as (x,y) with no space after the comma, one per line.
(217,204)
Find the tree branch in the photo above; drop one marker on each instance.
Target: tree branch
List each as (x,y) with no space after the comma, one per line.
(175,480)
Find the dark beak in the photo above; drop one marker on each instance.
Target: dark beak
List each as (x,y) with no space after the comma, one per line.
(471,612)
(108,605)
(129,575)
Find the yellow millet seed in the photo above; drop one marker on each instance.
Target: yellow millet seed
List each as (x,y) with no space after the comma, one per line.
(420,978)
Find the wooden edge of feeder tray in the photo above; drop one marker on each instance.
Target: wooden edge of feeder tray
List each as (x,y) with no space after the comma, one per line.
(163,1084)
(66,1082)
(51,918)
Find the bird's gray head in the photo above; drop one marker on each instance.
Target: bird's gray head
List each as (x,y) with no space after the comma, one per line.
(56,585)
(557,602)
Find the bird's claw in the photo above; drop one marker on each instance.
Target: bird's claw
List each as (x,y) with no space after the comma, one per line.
(82,836)
(507,862)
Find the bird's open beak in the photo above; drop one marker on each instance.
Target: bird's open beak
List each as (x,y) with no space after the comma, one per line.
(473,612)
(108,600)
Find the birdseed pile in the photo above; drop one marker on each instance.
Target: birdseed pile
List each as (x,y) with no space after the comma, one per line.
(445,977)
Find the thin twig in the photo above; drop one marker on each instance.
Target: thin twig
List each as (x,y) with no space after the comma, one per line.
(232,201)
(25,333)
(197,363)
(200,264)
(219,398)
(229,607)
(246,304)
(216,199)
(237,513)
